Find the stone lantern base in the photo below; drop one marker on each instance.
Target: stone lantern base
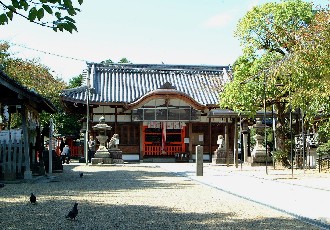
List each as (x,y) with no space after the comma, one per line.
(111,156)
(258,155)
(102,156)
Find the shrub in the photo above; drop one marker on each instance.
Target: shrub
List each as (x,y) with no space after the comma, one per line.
(281,156)
(323,149)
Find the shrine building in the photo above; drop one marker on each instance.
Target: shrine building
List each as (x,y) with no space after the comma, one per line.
(159,111)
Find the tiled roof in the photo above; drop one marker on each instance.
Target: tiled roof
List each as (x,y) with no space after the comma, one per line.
(126,83)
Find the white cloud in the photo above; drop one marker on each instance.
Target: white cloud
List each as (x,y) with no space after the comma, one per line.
(220,20)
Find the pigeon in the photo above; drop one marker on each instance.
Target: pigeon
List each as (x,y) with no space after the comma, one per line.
(81,175)
(33,198)
(73,213)
(2,185)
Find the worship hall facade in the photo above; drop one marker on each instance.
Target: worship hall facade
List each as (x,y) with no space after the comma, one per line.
(159,111)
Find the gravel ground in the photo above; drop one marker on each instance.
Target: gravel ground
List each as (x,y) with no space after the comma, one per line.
(131,197)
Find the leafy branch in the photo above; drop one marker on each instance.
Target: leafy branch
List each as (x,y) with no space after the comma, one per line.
(35,11)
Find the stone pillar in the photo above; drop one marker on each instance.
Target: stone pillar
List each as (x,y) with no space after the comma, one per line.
(199,160)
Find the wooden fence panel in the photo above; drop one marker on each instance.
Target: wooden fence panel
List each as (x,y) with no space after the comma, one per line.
(11,156)
(3,156)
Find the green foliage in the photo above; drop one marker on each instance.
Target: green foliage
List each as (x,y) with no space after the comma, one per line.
(68,125)
(31,74)
(281,156)
(271,26)
(76,81)
(109,61)
(269,36)
(324,130)
(61,13)
(15,120)
(309,67)
(35,76)
(124,60)
(323,149)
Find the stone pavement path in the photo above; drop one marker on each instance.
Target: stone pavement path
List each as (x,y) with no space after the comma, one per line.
(303,194)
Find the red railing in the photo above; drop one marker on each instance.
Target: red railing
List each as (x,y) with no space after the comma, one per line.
(77,151)
(154,150)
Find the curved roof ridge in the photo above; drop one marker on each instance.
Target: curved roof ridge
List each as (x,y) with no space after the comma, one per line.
(165,67)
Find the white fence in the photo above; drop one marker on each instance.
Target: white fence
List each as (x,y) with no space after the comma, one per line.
(12,159)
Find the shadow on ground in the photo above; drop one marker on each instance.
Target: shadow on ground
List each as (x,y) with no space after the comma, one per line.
(55,199)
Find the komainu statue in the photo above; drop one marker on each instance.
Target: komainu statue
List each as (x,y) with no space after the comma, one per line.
(113,141)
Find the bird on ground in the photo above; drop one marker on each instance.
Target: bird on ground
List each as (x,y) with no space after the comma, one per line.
(2,185)
(81,175)
(73,213)
(33,199)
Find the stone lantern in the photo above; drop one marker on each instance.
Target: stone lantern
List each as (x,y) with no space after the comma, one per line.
(102,154)
(258,154)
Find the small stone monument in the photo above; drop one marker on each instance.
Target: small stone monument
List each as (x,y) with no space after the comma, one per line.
(115,153)
(219,156)
(102,154)
(258,154)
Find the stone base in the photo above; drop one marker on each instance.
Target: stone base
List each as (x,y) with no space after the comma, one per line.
(259,160)
(116,155)
(222,160)
(220,157)
(102,154)
(105,160)
(118,161)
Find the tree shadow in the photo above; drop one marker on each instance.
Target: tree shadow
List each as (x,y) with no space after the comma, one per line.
(103,203)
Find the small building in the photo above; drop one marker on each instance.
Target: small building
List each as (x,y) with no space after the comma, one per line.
(159,111)
(19,147)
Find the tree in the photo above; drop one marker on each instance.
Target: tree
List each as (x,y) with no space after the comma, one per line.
(124,60)
(60,12)
(31,74)
(76,81)
(309,68)
(109,61)
(268,36)
(35,76)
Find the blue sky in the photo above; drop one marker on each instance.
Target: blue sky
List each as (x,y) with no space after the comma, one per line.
(143,31)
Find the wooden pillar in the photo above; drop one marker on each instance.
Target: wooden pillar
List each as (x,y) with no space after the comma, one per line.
(190,139)
(210,139)
(227,142)
(27,172)
(141,141)
(235,142)
(116,119)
